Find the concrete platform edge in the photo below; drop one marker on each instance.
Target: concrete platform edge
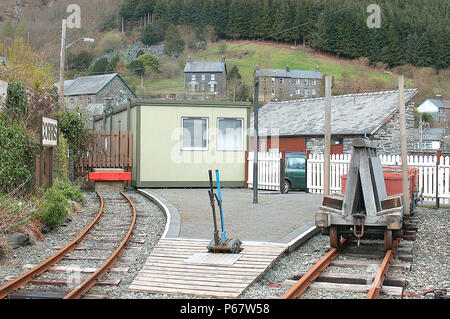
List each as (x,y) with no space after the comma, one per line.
(299,236)
(173,223)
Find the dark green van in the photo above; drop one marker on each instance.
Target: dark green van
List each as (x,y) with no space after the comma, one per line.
(295,171)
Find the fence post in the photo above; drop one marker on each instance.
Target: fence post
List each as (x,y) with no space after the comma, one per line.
(282,171)
(438,157)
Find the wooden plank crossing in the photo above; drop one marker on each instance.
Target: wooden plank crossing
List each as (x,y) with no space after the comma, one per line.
(172,268)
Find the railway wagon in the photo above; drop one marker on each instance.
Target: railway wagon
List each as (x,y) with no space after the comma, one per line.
(371,206)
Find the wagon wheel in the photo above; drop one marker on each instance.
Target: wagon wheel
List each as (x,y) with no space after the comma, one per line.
(335,237)
(388,240)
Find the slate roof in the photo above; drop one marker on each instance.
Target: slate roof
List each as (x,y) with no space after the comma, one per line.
(205,66)
(431,134)
(283,73)
(353,114)
(89,84)
(440,103)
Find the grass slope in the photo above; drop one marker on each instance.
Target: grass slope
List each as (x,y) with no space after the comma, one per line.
(246,55)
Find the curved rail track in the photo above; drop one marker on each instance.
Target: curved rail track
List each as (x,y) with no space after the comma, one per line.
(77,292)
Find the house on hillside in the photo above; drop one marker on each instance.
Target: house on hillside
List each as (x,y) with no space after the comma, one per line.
(93,93)
(298,125)
(283,84)
(205,79)
(438,108)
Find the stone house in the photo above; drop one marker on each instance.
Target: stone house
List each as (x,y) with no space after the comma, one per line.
(283,84)
(298,125)
(205,79)
(92,93)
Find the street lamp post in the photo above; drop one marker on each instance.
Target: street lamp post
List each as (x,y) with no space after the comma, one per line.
(63,57)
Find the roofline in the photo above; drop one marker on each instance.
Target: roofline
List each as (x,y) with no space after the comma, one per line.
(167,103)
(393,113)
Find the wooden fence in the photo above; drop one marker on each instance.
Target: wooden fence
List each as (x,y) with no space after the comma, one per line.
(428,170)
(268,170)
(105,150)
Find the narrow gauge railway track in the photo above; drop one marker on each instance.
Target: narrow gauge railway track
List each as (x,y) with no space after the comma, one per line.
(19,287)
(369,256)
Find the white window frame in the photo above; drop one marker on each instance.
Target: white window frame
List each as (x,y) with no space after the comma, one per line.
(203,77)
(273,80)
(193,77)
(297,81)
(213,77)
(218,132)
(183,148)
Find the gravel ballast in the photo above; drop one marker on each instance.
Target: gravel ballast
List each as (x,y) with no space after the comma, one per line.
(430,267)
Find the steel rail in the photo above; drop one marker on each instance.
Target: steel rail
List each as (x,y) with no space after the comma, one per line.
(83,287)
(381,275)
(300,286)
(44,266)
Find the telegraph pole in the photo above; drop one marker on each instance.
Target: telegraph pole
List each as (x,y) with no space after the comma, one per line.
(403,140)
(327,137)
(255,140)
(62,63)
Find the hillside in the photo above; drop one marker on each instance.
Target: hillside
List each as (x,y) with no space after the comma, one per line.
(246,55)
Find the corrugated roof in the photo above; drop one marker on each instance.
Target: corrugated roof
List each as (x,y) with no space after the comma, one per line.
(355,114)
(204,66)
(283,73)
(87,84)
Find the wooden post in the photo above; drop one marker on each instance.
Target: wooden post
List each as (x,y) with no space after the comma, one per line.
(49,167)
(405,188)
(327,137)
(255,140)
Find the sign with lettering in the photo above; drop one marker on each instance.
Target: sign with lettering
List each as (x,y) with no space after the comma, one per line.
(49,131)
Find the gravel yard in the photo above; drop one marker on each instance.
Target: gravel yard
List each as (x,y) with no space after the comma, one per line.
(430,267)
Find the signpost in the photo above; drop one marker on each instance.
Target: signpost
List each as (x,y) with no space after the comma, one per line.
(44,161)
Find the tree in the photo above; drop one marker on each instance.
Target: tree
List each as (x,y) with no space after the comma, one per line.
(80,61)
(150,62)
(174,45)
(234,80)
(137,66)
(102,66)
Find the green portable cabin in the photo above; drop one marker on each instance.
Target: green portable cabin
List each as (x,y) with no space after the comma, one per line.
(175,143)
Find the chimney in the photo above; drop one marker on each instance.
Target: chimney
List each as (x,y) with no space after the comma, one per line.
(439,97)
(288,68)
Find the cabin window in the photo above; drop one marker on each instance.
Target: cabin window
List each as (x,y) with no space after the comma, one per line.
(194,133)
(230,134)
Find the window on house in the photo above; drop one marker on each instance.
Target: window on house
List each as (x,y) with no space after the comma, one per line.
(212,88)
(230,134)
(265,80)
(119,125)
(193,78)
(313,82)
(272,91)
(313,92)
(213,77)
(89,101)
(281,80)
(297,91)
(306,82)
(297,81)
(194,133)
(203,77)
(273,80)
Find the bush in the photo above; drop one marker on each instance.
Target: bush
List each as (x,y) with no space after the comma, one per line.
(54,206)
(16,155)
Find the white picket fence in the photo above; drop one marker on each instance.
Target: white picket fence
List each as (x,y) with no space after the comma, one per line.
(268,170)
(426,164)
